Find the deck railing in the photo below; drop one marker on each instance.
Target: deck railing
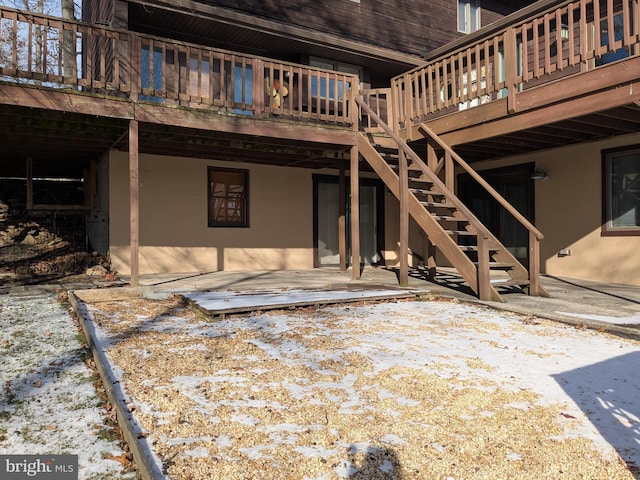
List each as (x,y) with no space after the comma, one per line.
(568,38)
(53,52)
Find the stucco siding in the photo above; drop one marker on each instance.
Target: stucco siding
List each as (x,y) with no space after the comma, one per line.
(568,209)
(174,236)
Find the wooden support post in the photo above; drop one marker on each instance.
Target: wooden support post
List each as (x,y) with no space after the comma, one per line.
(449,172)
(342,219)
(429,250)
(29,183)
(403,188)
(432,156)
(534,265)
(484,280)
(355,214)
(134,203)
(429,255)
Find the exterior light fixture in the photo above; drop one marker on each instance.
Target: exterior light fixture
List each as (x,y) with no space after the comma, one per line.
(564,33)
(538,175)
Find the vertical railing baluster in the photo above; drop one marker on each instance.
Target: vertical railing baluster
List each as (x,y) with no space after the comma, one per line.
(584,26)
(547,44)
(571,29)
(559,40)
(611,31)
(597,29)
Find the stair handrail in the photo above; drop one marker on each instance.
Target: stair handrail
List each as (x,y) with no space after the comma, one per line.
(483,183)
(473,220)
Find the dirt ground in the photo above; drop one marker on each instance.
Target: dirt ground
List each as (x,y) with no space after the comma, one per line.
(409,390)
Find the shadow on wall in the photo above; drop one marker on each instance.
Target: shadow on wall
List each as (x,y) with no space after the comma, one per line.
(370,463)
(608,392)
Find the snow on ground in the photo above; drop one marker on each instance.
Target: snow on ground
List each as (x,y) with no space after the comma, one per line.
(219,390)
(48,402)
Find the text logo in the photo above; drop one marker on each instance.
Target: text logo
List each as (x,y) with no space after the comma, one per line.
(39,467)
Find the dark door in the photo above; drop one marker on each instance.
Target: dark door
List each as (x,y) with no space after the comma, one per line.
(516,186)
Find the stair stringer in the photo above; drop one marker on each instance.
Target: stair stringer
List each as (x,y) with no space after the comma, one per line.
(518,272)
(436,233)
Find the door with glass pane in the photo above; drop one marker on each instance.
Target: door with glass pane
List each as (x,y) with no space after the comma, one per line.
(326,215)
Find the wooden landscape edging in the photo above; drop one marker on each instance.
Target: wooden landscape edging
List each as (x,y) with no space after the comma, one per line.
(142,455)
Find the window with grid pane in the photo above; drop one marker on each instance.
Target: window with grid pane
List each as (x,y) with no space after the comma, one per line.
(621,169)
(228,197)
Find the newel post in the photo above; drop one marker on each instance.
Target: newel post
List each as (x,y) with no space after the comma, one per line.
(484,281)
(534,265)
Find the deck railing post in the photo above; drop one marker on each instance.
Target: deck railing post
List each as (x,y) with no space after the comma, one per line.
(511,68)
(354,111)
(408,96)
(134,66)
(258,87)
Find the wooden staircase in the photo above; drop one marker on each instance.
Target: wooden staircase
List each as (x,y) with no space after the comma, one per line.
(451,228)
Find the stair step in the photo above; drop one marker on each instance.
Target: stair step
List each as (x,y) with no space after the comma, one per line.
(474,248)
(509,282)
(439,205)
(419,181)
(498,265)
(424,191)
(460,232)
(449,218)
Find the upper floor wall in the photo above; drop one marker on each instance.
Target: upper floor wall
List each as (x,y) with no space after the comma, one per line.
(412,27)
(376,39)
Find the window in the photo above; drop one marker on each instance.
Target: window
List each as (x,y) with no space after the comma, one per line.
(621,174)
(618,35)
(228,197)
(468,15)
(322,89)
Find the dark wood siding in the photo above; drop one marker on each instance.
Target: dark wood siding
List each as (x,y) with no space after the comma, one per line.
(413,27)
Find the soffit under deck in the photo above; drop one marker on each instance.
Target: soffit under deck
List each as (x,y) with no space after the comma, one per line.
(63,144)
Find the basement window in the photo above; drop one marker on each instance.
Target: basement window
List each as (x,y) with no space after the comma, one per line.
(621,174)
(228,197)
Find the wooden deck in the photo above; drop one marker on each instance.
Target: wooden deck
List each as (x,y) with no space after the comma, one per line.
(571,61)
(206,97)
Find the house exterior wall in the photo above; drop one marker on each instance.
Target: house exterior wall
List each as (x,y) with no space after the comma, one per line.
(413,27)
(174,236)
(568,209)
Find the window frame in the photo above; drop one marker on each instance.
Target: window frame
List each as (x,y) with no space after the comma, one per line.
(468,28)
(244,221)
(607,229)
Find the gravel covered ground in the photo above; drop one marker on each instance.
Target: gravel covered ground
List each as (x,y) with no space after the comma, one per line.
(50,399)
(407,390)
